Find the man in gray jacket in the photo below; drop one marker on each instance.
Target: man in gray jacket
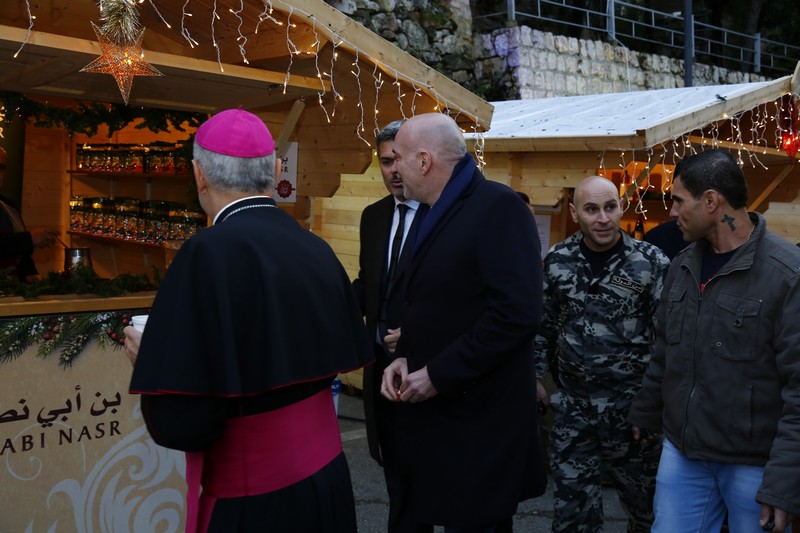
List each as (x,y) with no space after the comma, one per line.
(724,381)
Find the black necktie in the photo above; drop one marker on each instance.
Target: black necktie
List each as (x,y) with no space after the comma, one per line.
(397,241)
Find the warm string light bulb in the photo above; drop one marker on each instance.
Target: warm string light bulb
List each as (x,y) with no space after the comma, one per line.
(31,18)
(184,29)
(241,40)
(266,14)
(356,71)
(378,79)
(291,47)
(336,96)
(214,18)
(159,14)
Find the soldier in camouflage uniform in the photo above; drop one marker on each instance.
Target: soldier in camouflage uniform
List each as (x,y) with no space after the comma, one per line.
(601,290)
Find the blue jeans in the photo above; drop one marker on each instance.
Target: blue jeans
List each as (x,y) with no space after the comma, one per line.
(693,496)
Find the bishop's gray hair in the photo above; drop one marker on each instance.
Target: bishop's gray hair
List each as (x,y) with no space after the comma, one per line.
(251,175)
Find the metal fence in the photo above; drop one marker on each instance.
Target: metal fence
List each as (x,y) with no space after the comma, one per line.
(644,29)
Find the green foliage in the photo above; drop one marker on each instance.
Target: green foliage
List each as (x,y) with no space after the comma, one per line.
(120,20)
(66,334)
(80,280)
(86,117)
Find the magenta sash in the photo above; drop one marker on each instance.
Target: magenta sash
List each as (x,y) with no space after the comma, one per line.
(260,454)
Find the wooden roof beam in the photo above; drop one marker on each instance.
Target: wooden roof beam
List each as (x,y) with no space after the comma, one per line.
(390,59)
(713,113)
(159,59)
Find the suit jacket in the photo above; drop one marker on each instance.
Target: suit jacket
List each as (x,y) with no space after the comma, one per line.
(474,301)
(376,224)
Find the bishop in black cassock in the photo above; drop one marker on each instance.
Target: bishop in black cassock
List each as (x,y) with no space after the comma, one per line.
(254,318)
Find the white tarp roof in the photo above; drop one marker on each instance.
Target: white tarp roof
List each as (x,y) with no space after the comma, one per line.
(620,120)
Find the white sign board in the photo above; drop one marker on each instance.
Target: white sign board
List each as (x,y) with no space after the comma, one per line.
(286,186)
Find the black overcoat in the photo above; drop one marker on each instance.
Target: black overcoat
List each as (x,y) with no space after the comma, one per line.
(474,299)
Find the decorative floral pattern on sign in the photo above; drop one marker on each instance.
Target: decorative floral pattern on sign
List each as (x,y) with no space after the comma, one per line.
(125,489)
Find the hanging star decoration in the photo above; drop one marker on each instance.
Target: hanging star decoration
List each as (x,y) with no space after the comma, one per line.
(122,60)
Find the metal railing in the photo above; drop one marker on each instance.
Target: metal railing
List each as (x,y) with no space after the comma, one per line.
(649,30)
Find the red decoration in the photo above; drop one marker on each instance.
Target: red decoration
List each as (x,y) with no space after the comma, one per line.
(285,188)
(790,143)
(789,126)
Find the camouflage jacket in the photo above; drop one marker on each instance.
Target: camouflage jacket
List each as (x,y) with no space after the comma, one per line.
(600,330)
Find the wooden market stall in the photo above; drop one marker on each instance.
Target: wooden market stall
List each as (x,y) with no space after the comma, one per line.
(545,147)
(74,447)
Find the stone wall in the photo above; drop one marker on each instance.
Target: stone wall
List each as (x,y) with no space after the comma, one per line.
(437,32)
(521,63)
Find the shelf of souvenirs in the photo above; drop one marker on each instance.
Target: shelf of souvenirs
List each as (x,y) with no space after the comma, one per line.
(130,175)
(134,221)
(172,244)
(132,160)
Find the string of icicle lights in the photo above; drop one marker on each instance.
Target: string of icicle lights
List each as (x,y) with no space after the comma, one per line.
(328,96)
(754,132)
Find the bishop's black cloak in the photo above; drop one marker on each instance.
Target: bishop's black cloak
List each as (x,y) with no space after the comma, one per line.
(254,314)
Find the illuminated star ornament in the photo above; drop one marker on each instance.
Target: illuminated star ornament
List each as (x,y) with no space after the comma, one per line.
(121,60)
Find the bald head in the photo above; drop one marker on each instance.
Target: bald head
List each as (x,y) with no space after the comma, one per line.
(437,133)
(427,148)
(597,210)
(592,186)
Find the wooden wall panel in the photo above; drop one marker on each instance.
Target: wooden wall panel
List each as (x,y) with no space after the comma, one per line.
(45,192)
(339,217)
(783,218)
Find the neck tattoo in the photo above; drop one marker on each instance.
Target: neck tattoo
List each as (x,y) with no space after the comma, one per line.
(730,221)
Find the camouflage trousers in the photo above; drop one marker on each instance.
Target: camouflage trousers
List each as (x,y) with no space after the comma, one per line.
(587,446)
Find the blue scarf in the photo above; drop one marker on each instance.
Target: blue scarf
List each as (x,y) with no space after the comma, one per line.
(460,179)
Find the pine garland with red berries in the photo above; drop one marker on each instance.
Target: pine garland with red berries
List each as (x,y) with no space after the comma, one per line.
(66,334)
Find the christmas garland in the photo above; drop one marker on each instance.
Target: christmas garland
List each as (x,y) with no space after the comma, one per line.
(86,117)
(66,334)
(79,280)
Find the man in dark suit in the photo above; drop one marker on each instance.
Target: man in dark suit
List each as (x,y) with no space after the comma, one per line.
(465,362)
(16,241)
(383,305)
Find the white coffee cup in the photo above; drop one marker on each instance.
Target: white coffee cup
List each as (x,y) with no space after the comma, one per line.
(138,322)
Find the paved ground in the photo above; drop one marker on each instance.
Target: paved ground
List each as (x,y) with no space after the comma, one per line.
(372,502)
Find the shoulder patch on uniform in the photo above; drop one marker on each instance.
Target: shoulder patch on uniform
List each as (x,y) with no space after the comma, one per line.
(627,283)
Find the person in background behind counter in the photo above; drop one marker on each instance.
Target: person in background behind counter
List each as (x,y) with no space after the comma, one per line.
(253,320)
(17,242)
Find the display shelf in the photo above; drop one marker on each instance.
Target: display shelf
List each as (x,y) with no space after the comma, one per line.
(42,305)
(167,244)
(108,174)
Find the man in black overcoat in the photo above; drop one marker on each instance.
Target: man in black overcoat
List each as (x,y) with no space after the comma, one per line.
(383,303)
(465,364)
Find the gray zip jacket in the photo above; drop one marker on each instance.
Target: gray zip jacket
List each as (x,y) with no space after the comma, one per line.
(724,379)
